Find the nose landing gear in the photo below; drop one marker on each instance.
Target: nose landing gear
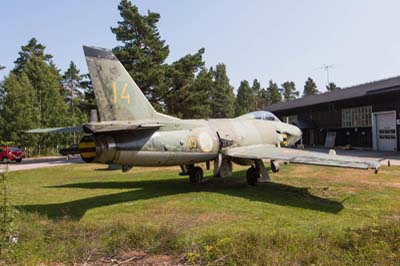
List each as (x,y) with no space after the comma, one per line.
(275,166)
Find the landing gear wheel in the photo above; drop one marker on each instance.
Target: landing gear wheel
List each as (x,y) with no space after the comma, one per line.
(252,175)
(275,166)
(195,175)
(4,160)
(18,160)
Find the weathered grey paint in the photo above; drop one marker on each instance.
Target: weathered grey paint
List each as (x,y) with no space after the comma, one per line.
(133,133)
(117,95)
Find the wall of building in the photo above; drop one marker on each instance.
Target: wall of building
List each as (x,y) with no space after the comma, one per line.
(328,117)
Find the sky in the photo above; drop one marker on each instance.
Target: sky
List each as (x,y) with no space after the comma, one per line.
(268,40)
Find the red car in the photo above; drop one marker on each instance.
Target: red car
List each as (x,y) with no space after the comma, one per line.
(9,153)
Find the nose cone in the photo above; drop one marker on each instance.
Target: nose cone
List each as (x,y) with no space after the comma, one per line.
(296,131)
(293,132)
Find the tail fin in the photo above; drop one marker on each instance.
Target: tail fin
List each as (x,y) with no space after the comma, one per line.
(117,95)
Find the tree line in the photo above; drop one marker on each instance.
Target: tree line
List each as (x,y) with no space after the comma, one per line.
(36,94)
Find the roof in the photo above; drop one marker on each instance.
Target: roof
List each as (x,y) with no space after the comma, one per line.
(375,87)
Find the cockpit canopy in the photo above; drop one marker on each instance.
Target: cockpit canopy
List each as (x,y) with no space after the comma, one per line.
(260,115)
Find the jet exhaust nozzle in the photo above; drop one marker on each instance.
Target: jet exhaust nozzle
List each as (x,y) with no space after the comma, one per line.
(97,149)
(87,149)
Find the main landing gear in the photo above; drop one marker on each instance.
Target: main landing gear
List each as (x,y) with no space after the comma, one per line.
(257,173)
(252,176)
(195,173)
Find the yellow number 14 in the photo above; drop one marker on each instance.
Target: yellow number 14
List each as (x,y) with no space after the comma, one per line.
(123,95)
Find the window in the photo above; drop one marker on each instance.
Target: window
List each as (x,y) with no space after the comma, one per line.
(357,116)
(387,133)
(260,115)
(264,115)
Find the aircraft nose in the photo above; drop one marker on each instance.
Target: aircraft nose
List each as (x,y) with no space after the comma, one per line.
(295,132)
(290,133)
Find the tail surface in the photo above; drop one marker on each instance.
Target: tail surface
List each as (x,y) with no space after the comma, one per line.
(117,95)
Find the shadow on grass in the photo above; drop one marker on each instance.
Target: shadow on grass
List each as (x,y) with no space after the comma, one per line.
(273,193)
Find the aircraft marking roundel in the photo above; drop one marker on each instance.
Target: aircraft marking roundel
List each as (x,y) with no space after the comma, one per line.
(192,143)
(206,142)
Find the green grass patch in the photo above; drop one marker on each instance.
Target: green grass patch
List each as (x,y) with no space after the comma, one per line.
(306,215)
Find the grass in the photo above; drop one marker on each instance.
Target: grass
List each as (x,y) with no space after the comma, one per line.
(306,215)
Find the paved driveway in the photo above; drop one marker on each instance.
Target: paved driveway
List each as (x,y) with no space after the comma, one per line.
(33,163)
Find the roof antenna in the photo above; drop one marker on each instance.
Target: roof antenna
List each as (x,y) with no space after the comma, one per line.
(326,68)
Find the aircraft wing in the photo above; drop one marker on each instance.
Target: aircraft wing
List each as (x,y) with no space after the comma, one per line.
(272,152)
(76,129)
(114,126)
(100,127)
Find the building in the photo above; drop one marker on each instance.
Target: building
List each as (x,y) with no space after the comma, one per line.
(366,115)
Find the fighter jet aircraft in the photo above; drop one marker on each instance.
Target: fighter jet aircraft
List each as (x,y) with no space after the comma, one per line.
(132,133)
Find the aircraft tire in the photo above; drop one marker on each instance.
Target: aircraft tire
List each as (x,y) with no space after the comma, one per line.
(195,175)
(252,176)
(274,166)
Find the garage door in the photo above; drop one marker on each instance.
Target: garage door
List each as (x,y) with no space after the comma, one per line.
(386,131)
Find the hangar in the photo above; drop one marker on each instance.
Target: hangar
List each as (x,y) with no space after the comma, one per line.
(365,116)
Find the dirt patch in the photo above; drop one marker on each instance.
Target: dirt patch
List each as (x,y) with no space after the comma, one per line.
(129,258)
(392,218)
(138,258)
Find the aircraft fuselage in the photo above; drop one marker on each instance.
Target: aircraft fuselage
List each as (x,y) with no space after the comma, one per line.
(189,141)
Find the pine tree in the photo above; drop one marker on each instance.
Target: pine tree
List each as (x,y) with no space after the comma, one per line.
(198,103)
(89,101)
(45,79)
(222,96)
(73,91)
(289,91)
(332,87)
(264,99)
(244,99)
(261,96)
(179,79)
(310,88)
(142,52)
(71,82)
(18,112)
(257,91)
(32,50)
(274,93)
